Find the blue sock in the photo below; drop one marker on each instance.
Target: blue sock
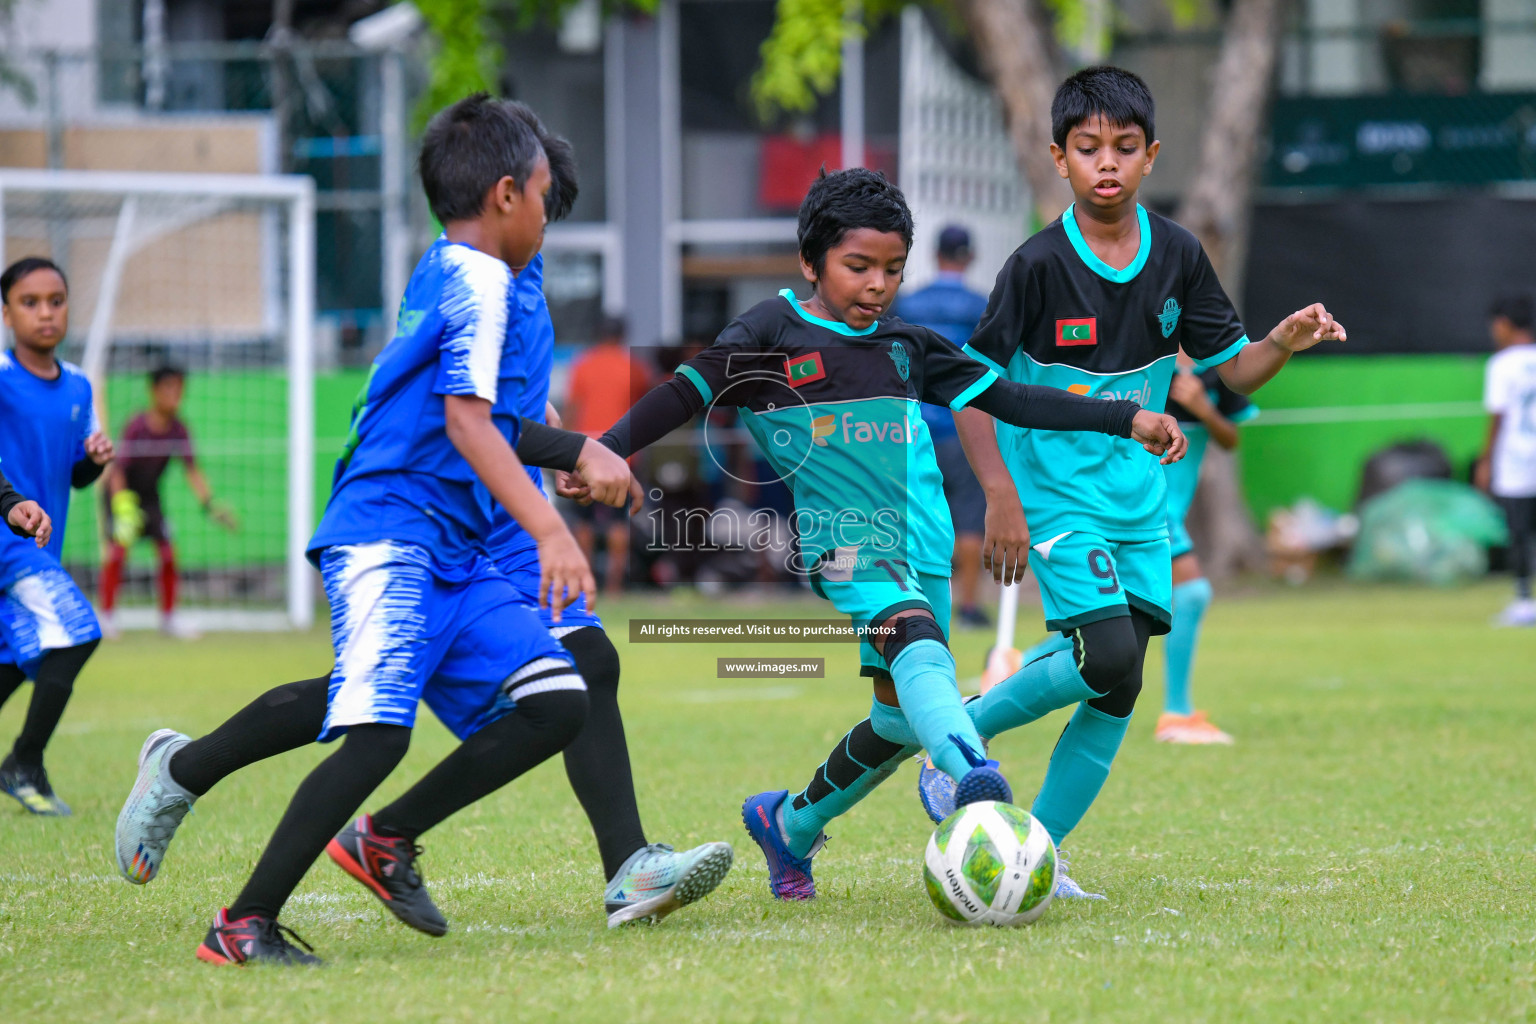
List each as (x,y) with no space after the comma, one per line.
(924,674)
(1079,765)
(891,724)
(862,760)
(1034,691)
(1190,601)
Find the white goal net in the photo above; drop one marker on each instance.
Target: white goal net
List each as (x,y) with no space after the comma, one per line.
(212,275)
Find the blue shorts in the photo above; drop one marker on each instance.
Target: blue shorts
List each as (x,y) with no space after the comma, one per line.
(866,595)
(43,611)
(1085,578)
(1183,478)
(407,629)
(523,571)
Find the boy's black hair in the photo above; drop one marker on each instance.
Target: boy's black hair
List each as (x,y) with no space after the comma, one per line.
(24,266)
(563,185)
(165,371)
(472,145)
(845,201)
(1517,309)
(1118,95)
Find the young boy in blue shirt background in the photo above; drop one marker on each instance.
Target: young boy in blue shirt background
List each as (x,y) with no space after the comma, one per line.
(49,444)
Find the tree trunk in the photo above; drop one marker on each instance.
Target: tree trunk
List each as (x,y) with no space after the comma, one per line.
(1216,206)
(1217,209)
(1017,52)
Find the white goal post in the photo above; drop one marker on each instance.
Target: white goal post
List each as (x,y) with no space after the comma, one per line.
(214,274)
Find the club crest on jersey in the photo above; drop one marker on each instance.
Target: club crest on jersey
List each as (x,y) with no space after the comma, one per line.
(901,359)
(804,369)
(1083,330)
(1169,317)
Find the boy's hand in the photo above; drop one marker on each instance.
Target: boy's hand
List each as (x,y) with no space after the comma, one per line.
(30,519)
(1005,545)
(1305,328)
(572,486)
(1189,391)
(563,572)
(98,448)
(224,515)
(608,477)
(1159,434)
(1482,474)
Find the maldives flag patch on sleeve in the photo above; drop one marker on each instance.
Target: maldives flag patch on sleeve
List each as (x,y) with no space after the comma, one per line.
(1078,331)
(803,369)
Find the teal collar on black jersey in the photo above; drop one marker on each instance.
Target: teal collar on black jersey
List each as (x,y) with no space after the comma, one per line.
(831,325)
(1098,266)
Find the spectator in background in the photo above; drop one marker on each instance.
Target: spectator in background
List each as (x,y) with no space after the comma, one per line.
(605,381)
(949,307)
(133,508)
(1507,468)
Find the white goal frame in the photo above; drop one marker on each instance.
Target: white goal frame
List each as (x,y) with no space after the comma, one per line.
(295,191)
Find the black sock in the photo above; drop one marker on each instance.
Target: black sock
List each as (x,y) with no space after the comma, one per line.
(284,718)
(51,689)
(597,761)
(324,803)
(540,725)
(11,678)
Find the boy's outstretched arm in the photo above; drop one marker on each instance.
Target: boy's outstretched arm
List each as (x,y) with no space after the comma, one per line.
(607,476)
(1254,365)
(563,571)
(1005,544)
(1036,407)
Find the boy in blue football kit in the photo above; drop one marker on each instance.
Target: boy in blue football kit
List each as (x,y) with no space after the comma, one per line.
(1099,303)
(647,881)
(49,444)
(831,389)
(419,613)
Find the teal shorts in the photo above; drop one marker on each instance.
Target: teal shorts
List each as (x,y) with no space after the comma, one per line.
(1183,478)
(871,593)
(1085,578)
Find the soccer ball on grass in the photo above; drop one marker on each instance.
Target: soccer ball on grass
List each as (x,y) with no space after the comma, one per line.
(990,863)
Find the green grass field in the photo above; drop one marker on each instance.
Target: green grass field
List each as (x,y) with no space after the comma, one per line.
(1364,853)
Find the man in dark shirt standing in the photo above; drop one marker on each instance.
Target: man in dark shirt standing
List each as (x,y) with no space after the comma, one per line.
(947,306)
(150,440)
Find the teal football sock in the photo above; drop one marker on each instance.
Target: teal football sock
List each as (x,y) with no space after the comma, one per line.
(1043,685)
(861,761)
(924,673)
(1050,645)
(891,724)
(1190,601)
(1079,765)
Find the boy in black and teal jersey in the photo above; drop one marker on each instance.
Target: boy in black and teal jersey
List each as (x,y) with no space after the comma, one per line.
(1099,303)
(831,388)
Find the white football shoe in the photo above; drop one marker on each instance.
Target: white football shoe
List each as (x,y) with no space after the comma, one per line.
(153,811)
(1066,889)
(1521,613)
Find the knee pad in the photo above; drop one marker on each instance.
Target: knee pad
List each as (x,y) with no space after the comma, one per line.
(904,632)
(1107,652)
(560,713)
(597,660)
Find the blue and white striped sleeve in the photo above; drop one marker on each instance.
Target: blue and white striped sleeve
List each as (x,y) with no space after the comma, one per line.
(475,303)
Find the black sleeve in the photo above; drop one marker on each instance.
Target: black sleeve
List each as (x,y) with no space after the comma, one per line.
(1043,408)
(660,411)
(9,499)
(85,473)
(547,447)
(1210,325)
(950,377)
(727,372)
(1008,314)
